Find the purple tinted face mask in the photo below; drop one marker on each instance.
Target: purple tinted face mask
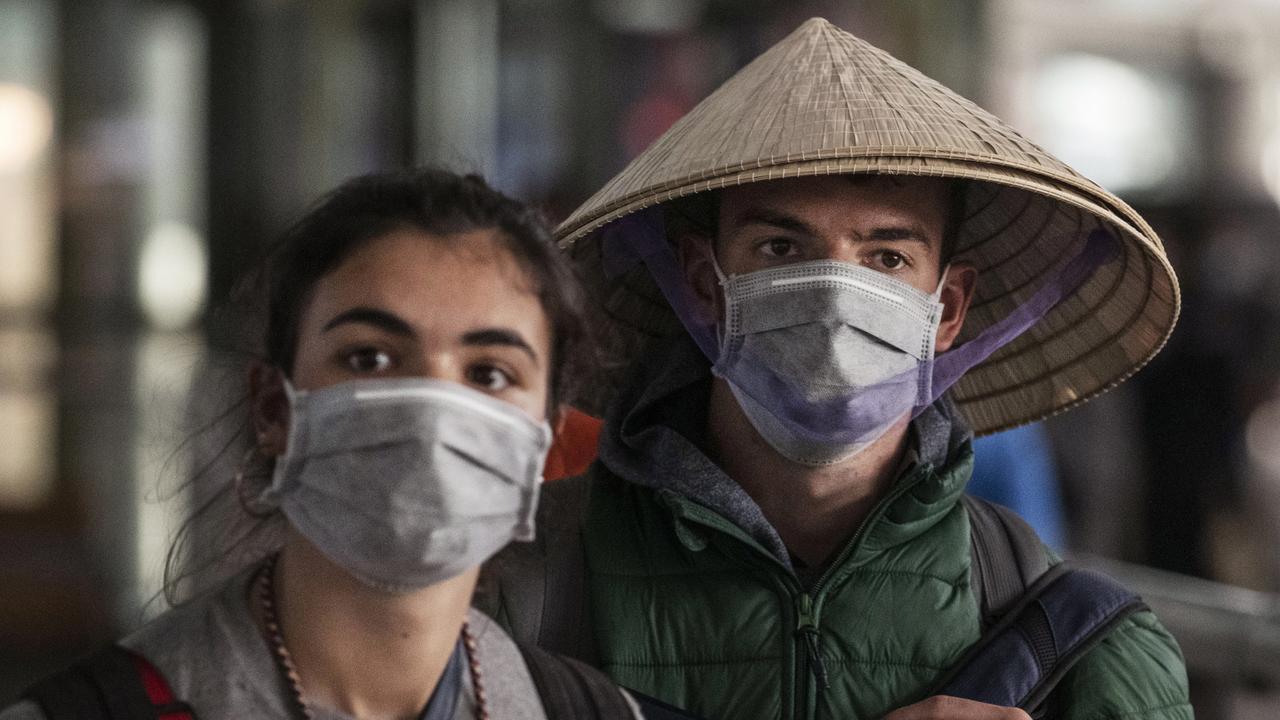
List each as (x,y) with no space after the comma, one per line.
(824,356)
(830,331)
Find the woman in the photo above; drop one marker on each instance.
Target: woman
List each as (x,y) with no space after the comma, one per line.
(419,331)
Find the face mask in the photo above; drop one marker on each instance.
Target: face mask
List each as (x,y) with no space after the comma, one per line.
(823,357)
(408,482)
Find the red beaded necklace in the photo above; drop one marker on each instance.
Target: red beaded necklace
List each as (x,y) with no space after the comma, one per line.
(266,586)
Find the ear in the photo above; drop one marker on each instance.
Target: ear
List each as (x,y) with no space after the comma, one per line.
(269,407)
(696,254)
(957,293)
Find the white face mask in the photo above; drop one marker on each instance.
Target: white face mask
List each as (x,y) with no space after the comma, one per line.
(408,482)
(824,356)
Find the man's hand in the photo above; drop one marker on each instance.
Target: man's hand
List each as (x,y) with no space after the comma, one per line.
(945,707)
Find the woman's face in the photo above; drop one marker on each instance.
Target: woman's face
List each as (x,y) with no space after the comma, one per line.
(408,304)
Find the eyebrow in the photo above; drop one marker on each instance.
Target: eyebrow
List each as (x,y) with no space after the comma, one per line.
(785,221)
(776,218)
(380,319)
(499,336)
(909,233)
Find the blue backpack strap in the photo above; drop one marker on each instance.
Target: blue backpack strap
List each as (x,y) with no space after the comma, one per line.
(1061,617)
(1037,619)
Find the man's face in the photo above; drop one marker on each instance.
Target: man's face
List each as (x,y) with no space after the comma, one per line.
(891,224)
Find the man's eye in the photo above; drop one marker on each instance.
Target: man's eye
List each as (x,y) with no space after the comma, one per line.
(368,360)
(489,377)
(779,247)
(891,260)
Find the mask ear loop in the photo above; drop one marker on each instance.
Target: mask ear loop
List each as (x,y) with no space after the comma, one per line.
(723,332)
(715,265)
(253,506)
(269,496)
(942,282)
(924,377)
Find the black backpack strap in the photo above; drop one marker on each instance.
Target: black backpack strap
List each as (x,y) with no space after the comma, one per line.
(1019,661)
(572,689)
(1007,557)
(565,626)
(538,590)
(103,686)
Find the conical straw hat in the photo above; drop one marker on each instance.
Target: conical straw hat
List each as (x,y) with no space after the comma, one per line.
(824,102)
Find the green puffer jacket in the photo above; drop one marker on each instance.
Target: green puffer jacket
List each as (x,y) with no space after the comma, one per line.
(675,599)
(687,608)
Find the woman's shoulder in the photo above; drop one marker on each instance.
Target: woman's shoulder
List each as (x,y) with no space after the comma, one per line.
(207,651)
(204,650)
(211,653)
(498,656)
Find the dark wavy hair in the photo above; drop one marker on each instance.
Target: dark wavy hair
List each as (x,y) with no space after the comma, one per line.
(220,537)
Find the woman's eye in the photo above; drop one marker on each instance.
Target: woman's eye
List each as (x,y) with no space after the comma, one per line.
(490,378)
(368,360)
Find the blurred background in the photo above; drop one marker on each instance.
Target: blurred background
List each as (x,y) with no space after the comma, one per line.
(149,150)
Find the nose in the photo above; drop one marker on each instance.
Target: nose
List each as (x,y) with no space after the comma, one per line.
(438,365)
(843,249)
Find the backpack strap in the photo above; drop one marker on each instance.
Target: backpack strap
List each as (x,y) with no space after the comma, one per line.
(1019,661)
(1038,619)
(538,590)
(572,689)
(1007,557)
(112,684)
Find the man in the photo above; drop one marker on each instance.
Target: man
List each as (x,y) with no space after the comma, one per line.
(773,528)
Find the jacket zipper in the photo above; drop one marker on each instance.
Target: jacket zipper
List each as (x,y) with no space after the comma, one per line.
(809,656)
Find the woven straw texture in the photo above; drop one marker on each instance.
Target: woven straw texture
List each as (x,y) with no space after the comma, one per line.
(824,102)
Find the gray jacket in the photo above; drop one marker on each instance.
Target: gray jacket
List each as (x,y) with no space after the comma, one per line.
(214,658)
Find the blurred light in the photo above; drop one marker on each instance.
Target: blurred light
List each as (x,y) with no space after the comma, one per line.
(457,77)
(1270,155)
(27,358)
(649,16)
(166,365)
(27,278)
(1262,437)
(26,465)
(1112,122)
(171,277)
(26,126)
